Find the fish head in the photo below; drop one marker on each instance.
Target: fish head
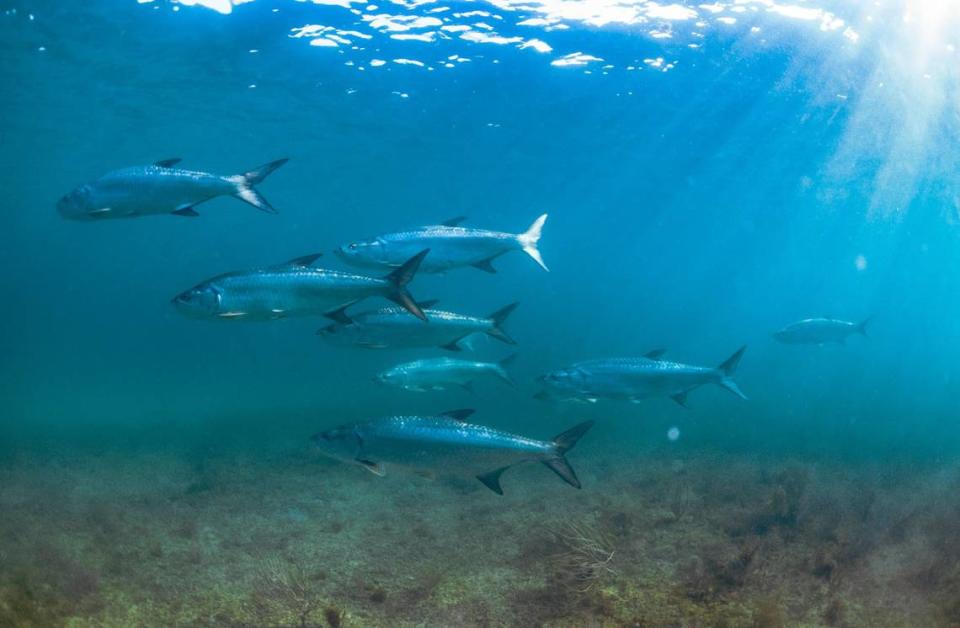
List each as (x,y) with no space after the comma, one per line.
(202,301)
(363,253)
(77,204)
(562,379)
(340,443)
(387,378)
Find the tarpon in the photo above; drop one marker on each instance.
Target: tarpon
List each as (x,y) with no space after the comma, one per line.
(819,331)
(443,373)
(453,246)
(448,444)
(296,289)
(388,327)
(633,379)
(161,189)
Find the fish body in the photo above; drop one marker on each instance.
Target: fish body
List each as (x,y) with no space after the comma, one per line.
(388,328)
(633,379)
(443,373)
(294,289)
(446,443)
(160,189)
(820,331)
(451,245)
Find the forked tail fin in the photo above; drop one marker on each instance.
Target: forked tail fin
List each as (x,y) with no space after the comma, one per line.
(399,279)
(501,369)
(498,319)
(563,443)
(862,327)
(727,369)
(528,241)
(245,182)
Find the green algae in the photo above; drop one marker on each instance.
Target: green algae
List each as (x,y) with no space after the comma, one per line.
(120,543)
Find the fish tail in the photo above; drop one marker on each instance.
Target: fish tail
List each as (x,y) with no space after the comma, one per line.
(498,318)
(862,327)
(501,369)
(727,369)
(399,279)
(245,182)
(529,239)
(563,443)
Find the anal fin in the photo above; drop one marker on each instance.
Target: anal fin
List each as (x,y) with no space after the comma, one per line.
(485,265)
(492,480)
(185,211)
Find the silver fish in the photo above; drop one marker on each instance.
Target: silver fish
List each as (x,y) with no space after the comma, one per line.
(296,289)
(388,327)
(453,246)
(442,373)
(161,189)
(819,331)
(447,443)
(633,379)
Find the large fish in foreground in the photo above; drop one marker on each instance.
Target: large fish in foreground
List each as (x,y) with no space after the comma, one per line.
(453,246)
(443,373)
(633,379)
(448,444)
(161,189)
(296,289)
(820,331)
(390,328)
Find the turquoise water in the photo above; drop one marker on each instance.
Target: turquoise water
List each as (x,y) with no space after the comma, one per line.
(712,173)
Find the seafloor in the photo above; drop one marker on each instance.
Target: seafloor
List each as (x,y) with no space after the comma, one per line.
(213,535)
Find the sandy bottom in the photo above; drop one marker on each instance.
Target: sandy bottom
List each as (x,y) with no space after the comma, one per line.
(220,539)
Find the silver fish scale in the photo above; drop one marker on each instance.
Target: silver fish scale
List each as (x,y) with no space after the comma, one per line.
(440,231)
(445,430)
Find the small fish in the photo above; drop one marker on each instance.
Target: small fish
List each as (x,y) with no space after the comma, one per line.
(442,373)
(819,331)
(296,289)
(447,443)
(388,327)
(633,379)
(453,246)
(161,189)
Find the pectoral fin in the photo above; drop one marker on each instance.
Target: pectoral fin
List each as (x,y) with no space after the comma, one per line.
(375,468)
(680,398)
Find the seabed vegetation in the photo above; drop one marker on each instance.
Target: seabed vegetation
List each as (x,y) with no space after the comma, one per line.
(230,539)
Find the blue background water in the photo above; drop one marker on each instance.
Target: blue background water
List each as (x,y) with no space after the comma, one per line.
(696,209)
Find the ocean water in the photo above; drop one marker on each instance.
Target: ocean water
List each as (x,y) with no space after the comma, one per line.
(712,173)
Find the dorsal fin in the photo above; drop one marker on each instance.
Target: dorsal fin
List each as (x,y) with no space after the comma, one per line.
(429,303)
(167,163)
(453,222)
(654,354)
(303,261)
(458,415)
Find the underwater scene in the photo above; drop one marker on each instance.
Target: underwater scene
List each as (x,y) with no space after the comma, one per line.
(494,313)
